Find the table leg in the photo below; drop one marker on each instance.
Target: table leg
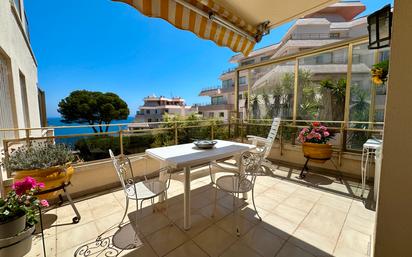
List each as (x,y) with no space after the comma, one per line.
(186,217)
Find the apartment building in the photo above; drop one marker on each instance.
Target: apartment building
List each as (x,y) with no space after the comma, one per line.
(155,107)
(22,103)
(332,24)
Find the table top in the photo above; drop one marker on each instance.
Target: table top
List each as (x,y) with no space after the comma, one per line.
(187,155)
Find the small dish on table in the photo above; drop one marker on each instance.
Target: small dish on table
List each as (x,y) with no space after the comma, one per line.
(205,144)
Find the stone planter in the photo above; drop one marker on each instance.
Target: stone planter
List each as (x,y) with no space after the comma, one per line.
(52,177)
(12,228)
(18,245)
(317,152)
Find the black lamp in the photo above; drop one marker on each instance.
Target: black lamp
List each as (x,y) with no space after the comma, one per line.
(379,27)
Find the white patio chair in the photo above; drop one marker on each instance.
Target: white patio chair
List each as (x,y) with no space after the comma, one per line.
(142,190)
(266,143)
(240,182)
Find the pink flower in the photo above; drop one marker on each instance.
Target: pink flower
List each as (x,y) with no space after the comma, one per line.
(326,134)
(25,185)
(323,128)
(44,203)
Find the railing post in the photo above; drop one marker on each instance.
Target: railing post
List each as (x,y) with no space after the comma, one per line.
(121,141)
(212,131)
(342,143)
(6,157)
(229,128)
(176,135)
(281,139)
(27,136)
(241,130)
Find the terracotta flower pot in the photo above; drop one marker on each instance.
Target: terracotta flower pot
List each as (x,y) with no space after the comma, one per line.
(52,177)
(317,152)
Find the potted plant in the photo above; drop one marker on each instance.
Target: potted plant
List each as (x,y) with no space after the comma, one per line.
(315,142)
(18,217)
(379,72)
(48,163)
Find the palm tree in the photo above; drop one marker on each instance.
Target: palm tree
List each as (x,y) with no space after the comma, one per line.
(254,100)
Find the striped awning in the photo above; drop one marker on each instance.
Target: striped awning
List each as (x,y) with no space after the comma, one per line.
(237,24)
(182,17)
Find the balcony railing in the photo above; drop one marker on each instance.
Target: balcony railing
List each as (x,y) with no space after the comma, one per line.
(121,139)
(316,36)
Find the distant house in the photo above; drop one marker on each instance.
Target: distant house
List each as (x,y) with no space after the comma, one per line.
(155,107)
(330,25)
(22,103)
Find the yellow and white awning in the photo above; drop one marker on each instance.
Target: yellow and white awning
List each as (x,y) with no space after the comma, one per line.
(237,24)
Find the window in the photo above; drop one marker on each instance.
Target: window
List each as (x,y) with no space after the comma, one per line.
(221,114)
(247,62)
(149,120)
(242,80)
(240,96)
(147,111)
(217,100)
(211,114)
(264,58)
(228,83)
(334,35)
(24,100)
(166,110)
(6,103)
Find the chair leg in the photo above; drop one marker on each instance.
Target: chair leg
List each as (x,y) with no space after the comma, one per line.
(236,213)
(125,212)
(254,205)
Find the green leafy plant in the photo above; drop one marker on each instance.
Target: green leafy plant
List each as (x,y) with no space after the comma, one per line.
(39,156)
(21,201)
(89,107)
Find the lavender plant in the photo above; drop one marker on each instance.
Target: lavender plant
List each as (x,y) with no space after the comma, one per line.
(39,156)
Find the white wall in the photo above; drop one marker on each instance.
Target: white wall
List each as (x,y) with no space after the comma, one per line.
(16,48)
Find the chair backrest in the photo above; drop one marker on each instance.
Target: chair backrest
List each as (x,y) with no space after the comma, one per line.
(251,164)
(123,167)
(271,136)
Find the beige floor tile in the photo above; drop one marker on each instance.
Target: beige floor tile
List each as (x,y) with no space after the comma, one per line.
(277,195)
(201,200)
(290,213)
(290,250)
(65,216)
(286,187)
(353,241)
(166,239)
(262,241)
(265,203)
(296,201)
(308,194)
(152,223)
(213,213)
(188,249)
(144,250)
(110,221)
(37,246)
(214,240)
(249,213)
(339,202)
(324,221)
(232,221)
(104,209)
(238,249)
(278,225)
(198,224)
(315,243)
(362,225)
(76,236)
(228,201)
(267,181)
(358,209)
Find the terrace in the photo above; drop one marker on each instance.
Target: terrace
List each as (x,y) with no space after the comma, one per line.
(319,215)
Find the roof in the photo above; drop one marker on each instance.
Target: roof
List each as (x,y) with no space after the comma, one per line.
(346,9)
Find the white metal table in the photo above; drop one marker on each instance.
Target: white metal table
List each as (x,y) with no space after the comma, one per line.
(186,156)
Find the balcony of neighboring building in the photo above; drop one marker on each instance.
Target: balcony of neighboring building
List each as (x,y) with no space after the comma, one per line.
(216,103)
(209,91)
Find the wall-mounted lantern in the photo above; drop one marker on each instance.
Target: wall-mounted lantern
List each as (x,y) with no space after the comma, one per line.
(379,27)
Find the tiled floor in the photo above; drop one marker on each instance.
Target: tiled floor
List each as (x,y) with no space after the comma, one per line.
(300,218)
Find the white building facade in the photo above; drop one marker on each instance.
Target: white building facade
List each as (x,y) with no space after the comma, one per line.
(332,24)
(22,103)
(155,107)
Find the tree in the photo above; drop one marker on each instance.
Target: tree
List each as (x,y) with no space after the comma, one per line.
(83,106)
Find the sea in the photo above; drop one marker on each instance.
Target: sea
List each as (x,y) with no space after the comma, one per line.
(59,131)
(56,122)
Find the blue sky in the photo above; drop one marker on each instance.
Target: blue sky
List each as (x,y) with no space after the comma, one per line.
(108,46)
